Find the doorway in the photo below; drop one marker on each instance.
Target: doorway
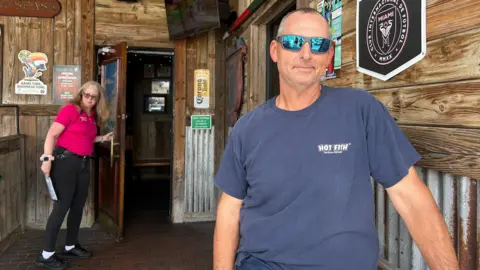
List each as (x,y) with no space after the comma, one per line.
(273,84)
(149,137)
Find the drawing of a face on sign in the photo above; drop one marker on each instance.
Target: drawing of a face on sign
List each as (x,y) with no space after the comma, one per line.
(34,63)
(387,30)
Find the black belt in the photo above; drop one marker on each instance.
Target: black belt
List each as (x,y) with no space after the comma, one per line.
(66,153)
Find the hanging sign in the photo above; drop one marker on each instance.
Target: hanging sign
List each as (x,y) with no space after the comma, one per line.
(66,82)
(202,89)
(34,63)
(391,36)
(30,8)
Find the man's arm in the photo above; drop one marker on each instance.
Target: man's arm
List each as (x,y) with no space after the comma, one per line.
(415,204)
(225,239)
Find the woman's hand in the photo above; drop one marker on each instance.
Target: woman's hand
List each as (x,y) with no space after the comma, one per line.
(108,137)
(46,166)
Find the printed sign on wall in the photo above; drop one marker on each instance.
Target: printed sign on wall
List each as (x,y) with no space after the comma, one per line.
(66,82)
(34,63)
(391,36)
(202,89)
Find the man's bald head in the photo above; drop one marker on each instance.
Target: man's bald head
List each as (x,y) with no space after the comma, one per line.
(297,14)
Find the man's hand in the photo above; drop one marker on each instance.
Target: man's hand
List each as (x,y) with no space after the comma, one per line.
(416,205)
(225,239)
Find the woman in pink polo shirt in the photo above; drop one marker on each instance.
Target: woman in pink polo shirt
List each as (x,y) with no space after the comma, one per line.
(67,152)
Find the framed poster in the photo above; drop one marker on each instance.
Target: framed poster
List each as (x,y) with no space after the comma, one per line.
(66,82)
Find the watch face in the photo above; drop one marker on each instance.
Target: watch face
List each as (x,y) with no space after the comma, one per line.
(46,159)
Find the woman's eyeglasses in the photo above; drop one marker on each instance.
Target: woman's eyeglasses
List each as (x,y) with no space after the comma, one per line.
(295,43)
(89,96)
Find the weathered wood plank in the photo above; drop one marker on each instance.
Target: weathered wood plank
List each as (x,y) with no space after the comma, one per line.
(28,128)
(440,24)
(192,48)
(444,17)
(10,184)
(455,58)
(42,196)
(9,36)
(220,100)
(134,35)
(178,184)
(87,42)
(142,24)
(70,30)
(9,144)
(449,150)
(46,46)
(448,104)
(60,35)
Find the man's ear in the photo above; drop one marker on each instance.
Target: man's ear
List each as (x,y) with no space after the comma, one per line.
(273,50)
(331,52)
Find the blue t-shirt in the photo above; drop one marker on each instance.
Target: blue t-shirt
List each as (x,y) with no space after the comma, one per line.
(304,177)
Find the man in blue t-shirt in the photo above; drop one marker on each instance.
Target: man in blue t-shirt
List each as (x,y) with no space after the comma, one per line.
(296,171)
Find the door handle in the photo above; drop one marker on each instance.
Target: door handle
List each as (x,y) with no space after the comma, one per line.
(112,146)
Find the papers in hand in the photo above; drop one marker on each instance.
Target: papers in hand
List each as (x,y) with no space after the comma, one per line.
(51,190)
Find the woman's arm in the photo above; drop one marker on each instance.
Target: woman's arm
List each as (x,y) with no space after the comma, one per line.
(99,139)
(55,130)
(104,138)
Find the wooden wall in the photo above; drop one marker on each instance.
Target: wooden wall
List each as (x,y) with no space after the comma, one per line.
(201,52)
(12,188)
(436,101)
(142,24)
(66,39)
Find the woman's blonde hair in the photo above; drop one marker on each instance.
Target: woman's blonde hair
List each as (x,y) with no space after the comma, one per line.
(101,106)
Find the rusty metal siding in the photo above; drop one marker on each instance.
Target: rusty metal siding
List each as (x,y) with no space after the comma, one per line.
(458,200)
(200,194)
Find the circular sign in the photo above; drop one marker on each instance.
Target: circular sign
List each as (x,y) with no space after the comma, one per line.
(387,30)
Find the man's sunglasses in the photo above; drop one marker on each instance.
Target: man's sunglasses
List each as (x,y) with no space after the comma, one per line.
(295,43)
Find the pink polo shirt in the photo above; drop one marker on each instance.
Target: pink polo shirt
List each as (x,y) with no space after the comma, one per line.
(80,130)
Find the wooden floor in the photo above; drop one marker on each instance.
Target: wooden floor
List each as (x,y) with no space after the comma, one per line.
(150,243)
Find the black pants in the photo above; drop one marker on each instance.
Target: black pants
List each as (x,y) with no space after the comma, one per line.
(70,176)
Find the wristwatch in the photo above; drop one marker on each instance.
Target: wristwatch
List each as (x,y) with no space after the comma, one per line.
(46,158)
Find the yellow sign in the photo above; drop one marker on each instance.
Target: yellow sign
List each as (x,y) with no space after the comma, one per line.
(202,89)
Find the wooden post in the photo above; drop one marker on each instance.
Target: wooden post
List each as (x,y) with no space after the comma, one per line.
(180,92)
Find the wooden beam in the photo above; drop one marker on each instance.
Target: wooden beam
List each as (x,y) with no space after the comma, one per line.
(10,143)
(178,181)
(33,110)
(448,150)
(303,3)
(447,104)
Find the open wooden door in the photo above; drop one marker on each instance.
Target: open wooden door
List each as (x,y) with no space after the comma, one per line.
(111,155)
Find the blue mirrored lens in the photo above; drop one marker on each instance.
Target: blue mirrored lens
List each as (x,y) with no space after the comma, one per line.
(320,45)
(293,43)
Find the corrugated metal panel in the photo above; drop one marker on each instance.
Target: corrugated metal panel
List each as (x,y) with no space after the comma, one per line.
(457,198)
(199,171)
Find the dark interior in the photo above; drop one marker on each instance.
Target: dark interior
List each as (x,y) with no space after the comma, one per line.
(149,135)
(273,87)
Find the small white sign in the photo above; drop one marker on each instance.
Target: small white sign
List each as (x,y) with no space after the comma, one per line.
(34,63)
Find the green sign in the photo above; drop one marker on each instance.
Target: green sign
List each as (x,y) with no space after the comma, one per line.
(201,121)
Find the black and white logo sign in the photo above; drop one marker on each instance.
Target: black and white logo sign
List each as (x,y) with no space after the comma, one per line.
(391,36)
